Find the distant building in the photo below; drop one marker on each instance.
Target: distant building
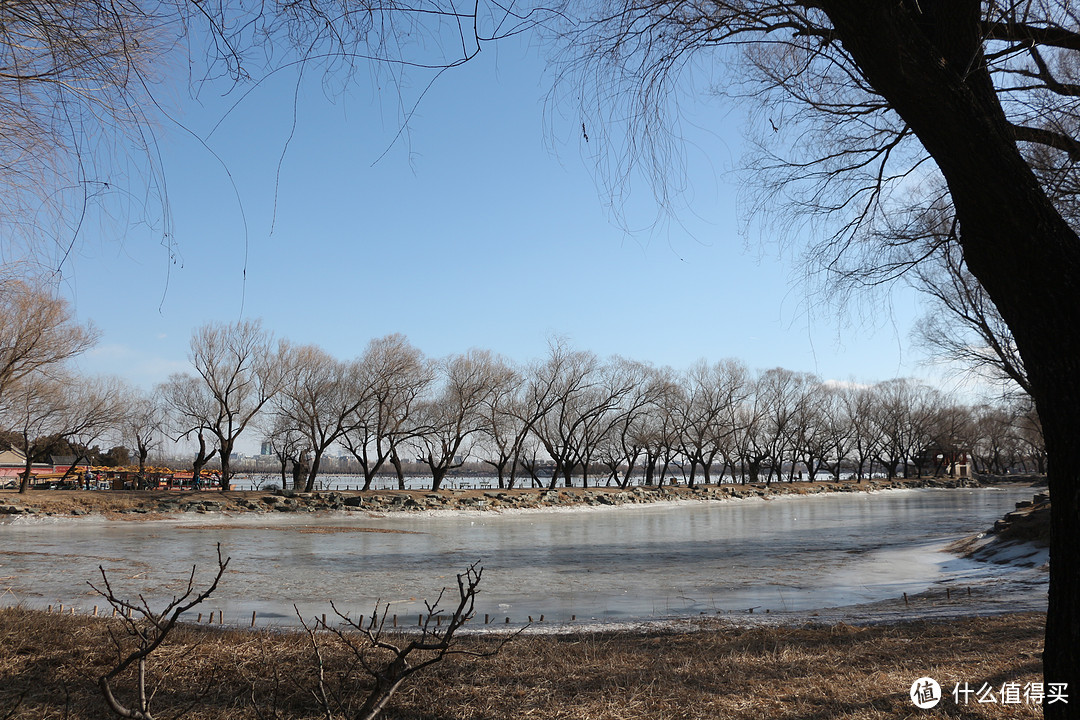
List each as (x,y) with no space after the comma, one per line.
(61,463)
(947,461)
(267,448)
(12,462)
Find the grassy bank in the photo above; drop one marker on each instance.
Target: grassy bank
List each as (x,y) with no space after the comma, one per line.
(840,671)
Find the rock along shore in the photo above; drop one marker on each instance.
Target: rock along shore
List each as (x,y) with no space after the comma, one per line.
(134,504)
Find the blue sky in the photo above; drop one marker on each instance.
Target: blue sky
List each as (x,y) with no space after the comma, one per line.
(484,226)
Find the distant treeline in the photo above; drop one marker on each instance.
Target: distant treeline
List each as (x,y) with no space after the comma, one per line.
(569,414)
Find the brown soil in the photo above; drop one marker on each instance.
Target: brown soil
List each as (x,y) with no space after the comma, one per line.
(49,665)
(104,502)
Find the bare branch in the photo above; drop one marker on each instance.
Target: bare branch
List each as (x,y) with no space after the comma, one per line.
(388,664)
(149,629)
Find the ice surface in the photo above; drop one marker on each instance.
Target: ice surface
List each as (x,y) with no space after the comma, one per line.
(629,564)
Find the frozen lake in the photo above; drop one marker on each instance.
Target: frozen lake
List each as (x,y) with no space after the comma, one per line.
(628,563)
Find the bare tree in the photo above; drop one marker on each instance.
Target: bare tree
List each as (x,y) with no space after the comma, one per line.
(618,379)
(317,396)
(142,424)
(662,427)
(839,428)
(189,408)
(711,393)
(393,377)
(752,439)
(35,409)
(1029,430)
(288,445)
(625,441)
(237,366)
(963,325)
(996,448)
(94,407)
(448,420)
(814,437)
(42,407)
(859,404)
(145,629)
(503,426)
(584,395)
(903,417)
(384,661)
(952,436)
(81,102)
(972,102)
(540,396)
(780,395)
(73,89)
(36,327)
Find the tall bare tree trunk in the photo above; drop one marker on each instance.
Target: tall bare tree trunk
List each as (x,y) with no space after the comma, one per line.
(1014,241)
(396,462)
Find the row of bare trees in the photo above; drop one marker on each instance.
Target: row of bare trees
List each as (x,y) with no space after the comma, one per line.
(569,414)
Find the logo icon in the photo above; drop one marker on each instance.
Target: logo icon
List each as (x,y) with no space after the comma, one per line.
(925,693)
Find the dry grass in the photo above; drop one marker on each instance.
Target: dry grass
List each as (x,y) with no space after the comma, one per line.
(821,672)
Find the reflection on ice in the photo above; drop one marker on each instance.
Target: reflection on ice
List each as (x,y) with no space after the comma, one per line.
(631,563)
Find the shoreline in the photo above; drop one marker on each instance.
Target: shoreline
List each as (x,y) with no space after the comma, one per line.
(157,504)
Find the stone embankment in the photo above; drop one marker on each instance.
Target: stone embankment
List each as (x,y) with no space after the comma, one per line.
(1029,522)
(1021,537)
(154,503)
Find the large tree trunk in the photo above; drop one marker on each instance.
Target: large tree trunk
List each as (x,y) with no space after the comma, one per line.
(299,472)
(313,472)
(71,468)
(143,453)
(396,462)
(24,483)
(438,474)
(1061,655)
(629,473)
(283,462)
(1014,241)
(225,453)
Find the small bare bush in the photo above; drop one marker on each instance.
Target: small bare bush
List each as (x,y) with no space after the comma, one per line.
(372,661)
(143,632)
